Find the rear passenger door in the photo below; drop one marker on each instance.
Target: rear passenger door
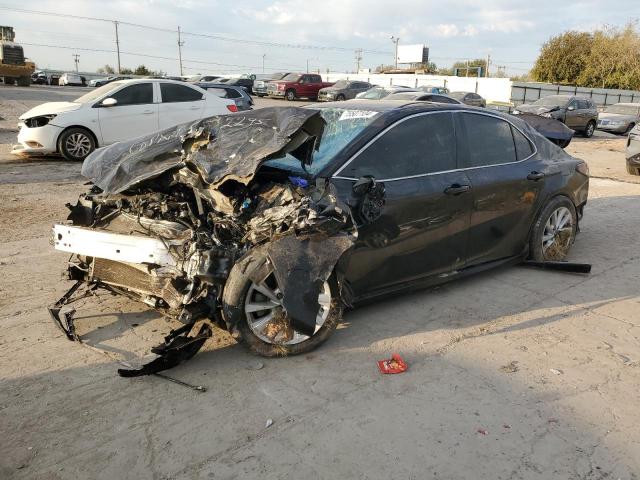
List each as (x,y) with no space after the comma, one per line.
(423,227)
(506,183)
(179,104)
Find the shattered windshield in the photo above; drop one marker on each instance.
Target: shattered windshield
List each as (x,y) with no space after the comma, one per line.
(623,109)
(552,101)
(98,92)
(343,125)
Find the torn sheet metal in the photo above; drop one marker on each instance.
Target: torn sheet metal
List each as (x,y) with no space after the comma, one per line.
(301,267)
(220,148)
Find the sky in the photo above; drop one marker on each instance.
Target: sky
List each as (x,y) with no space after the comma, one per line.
(512,32)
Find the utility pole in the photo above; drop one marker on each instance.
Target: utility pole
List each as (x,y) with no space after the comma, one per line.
(76,58)
(486,71)
(264,55)
(117,45)
(396,41)
(467,74)
(358,59)
(180,44)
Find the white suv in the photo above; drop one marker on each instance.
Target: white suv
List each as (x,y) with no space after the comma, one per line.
(117,111)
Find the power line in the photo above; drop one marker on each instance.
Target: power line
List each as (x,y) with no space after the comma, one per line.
(136,54)
(193,34)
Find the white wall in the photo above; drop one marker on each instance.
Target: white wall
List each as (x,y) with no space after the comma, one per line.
(492,89)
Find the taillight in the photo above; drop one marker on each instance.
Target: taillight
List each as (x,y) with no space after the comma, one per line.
(232,108)
(583,168)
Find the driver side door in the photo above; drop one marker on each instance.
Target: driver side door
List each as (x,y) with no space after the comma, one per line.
(135,114)
(423,227)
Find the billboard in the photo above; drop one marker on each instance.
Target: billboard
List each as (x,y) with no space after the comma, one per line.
(413,54)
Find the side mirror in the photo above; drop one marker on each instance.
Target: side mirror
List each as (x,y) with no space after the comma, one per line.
(571,107)
(370,197)
(363,185)
(108,102)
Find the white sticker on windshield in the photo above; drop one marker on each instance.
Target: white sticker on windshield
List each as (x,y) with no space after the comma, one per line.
(351,114)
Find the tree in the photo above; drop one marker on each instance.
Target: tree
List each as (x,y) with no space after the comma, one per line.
(563,58)
(126,71)
(614,59)
(108,69)
(142,70)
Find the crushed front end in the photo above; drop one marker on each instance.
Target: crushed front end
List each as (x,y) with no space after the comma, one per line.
(169,215)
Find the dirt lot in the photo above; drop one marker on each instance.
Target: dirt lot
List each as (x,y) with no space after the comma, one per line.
(514,374)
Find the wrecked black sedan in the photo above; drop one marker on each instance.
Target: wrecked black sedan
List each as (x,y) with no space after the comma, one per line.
(269,223)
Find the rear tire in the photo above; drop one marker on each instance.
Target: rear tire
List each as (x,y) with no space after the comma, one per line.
(590,129)
(554,231)
(24,81)
(9,81)
(238,293)
(76,144)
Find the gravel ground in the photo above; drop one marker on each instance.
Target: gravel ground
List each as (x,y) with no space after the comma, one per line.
(514,373)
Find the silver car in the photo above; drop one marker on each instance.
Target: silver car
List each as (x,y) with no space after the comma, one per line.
(619,118)
(633,151)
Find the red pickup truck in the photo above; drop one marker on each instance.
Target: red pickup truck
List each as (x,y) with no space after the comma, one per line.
(297,85)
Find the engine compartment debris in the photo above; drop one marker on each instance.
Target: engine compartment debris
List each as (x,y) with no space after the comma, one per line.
(170,214)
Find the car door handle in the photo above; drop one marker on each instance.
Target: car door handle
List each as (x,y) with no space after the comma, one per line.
(147,112)
(195,107)
(457,189)
(535,176)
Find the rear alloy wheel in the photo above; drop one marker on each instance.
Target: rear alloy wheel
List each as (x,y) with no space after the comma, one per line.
(76,144)
(554,231)
(590,128)
(257,311)
(290,95)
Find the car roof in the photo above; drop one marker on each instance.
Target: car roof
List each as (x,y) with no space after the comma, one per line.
(129,81)
(218,85)
(391,105)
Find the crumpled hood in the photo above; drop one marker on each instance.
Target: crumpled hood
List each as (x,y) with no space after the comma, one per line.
(221,148)
(537,109)
(51,108)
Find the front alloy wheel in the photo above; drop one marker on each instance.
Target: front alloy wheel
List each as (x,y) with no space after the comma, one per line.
(252,303)
(267,319)
(76,144)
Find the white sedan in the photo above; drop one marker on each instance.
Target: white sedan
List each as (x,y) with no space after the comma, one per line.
(117,111)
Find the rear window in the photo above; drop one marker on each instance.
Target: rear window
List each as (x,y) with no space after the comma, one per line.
(523,146)
(172,92)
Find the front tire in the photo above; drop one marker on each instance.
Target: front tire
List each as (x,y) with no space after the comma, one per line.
(266,331)
(554,231)
(76,144)
(590,129)
(340,98)
(629,128)
(290,95)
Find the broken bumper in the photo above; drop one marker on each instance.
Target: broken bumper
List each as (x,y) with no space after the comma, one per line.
(37,141)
